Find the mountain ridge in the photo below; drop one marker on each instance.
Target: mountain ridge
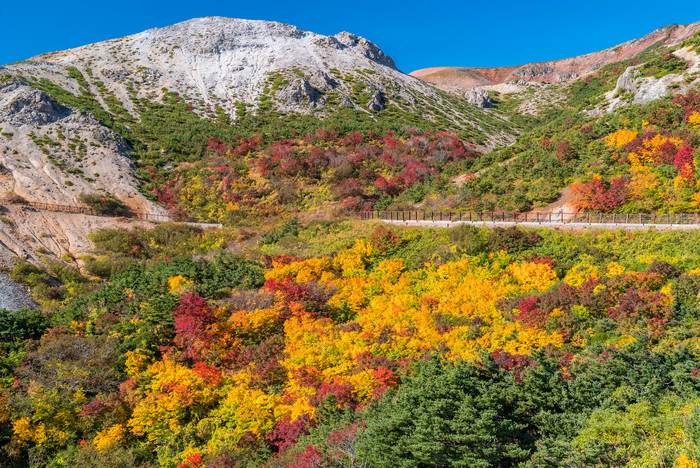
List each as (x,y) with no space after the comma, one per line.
(560,70)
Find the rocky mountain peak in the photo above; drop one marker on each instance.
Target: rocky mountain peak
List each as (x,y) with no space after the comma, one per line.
(228,62)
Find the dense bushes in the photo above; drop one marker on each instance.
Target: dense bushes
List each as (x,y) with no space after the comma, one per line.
(353,171)
(289,228)
(512,239)
(640,158)
(18,326)
(465,404)
(104,204)
(518,347)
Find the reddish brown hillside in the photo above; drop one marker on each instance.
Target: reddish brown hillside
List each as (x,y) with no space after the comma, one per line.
(557,70)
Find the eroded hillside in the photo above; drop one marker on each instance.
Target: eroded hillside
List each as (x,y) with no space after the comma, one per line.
(557,70)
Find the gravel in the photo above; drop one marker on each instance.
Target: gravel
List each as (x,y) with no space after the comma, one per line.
(12,296)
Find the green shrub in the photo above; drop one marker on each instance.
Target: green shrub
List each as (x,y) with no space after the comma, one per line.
(105,267)
(288,229)
(105,205)
(467,239)
(117,241)
(663,64)
(30,274)
(512,240)
(20,325)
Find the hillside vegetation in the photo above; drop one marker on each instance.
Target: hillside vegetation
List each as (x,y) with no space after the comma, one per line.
(520,348)
(639,158)
(295,336)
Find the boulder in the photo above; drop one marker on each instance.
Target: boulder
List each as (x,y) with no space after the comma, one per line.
(376,104)
(321,81)
(479,98)
(627,82)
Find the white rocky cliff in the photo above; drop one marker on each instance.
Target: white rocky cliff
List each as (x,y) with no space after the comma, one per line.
(221,62)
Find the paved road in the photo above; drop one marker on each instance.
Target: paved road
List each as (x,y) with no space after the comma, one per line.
(552,225)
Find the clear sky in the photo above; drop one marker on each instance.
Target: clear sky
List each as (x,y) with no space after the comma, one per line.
(415,34)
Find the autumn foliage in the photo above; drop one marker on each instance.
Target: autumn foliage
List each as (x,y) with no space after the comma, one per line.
(296,362)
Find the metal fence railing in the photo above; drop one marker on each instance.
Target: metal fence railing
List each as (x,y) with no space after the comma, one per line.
(553,217)
(90,211)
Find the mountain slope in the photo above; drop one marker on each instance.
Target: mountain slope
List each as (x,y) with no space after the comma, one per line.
(71,118)
(124,118)
(556,70)
(52,153)
(233,67)
(219,118)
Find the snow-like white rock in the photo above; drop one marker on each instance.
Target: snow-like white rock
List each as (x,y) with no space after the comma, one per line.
(222,61)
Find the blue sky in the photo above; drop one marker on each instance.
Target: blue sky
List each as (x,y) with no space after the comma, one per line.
(416,34)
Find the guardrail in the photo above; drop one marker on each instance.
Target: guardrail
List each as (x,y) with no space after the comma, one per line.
(553,217)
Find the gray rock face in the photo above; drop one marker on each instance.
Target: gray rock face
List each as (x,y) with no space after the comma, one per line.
(298,92)
(652,90)
(530,73)
(148,76)
(117,74)
(368,49)
(567,76)
(23,105)
(376,104)
(478,97)
(627,82)
(321,81)
(13,297)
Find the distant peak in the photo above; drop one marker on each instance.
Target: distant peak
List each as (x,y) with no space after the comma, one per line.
(556,70)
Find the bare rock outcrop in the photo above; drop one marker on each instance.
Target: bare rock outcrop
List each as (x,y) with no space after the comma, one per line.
(479,98)
(627,82)
(366,48)
(299,92)
(634,88)
(376,103)
(22,105)
(13,297)
(320,80)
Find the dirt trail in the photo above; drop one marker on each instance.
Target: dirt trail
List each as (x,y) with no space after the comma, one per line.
(563,204)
